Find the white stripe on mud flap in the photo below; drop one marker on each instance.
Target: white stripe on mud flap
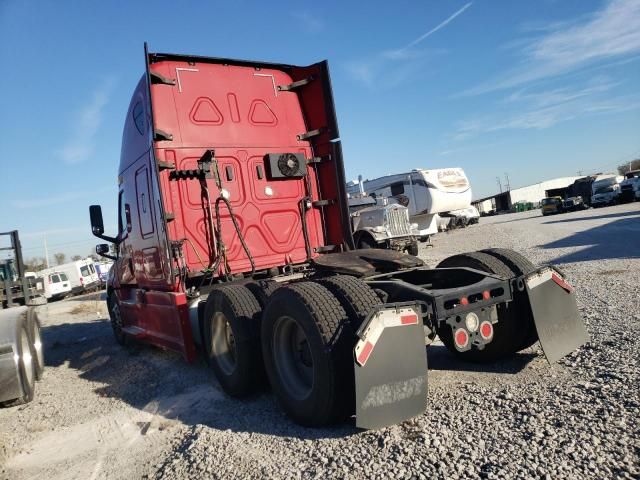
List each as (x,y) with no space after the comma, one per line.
(539,279)
(383,319)
(393,392)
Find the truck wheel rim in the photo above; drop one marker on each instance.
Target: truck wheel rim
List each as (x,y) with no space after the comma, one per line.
(37,346)
(27,359)
(292,356)
(223,344)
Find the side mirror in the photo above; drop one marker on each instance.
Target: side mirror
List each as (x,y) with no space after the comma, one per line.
(97,225)
(102,249)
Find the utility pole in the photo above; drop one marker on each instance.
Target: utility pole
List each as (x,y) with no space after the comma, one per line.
(46,252)
(508,183)
(579,173)
(499,184)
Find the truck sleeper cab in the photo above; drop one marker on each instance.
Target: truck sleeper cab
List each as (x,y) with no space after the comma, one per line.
(234,236)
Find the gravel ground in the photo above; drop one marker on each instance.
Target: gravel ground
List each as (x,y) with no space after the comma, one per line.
(107,412)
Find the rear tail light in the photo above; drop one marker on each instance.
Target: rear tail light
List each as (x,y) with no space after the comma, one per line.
(471,321)
(486,330)
(461,337)
(81,281)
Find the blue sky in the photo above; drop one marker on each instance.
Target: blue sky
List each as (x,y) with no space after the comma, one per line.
(532,89)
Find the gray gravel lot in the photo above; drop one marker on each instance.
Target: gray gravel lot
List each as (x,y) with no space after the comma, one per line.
(107,412)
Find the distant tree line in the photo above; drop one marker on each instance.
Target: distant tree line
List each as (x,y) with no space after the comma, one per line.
(35,264)
(626,167)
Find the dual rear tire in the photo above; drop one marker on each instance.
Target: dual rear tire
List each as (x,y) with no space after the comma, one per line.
(301,342)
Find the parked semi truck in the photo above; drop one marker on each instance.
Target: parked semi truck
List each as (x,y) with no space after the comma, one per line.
(234,237)
(21,351)
(379,223)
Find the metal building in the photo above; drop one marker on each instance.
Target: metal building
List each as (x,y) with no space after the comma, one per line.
(503,202)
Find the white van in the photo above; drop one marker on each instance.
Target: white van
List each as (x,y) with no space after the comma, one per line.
(81,275)
(56,285)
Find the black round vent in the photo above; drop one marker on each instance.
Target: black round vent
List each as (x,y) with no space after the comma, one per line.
(289,165)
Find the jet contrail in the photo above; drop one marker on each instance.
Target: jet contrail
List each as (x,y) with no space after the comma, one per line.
(437,27)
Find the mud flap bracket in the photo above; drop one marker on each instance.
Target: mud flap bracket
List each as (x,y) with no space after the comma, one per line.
(390,363)
(555,313)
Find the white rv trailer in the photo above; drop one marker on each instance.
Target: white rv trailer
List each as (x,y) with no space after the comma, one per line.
(425,192)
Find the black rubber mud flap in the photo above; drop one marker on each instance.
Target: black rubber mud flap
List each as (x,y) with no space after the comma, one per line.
(555,313)
(390,363)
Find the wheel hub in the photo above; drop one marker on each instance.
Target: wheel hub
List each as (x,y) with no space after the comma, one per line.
(292,355)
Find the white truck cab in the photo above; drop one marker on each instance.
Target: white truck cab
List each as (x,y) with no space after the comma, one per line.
(606,191)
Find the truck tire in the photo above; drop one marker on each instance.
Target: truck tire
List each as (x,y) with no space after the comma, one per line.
(262,290)
(520,265)
(231,337)
(307,344)
(366,241)
(26,366)
(413,249)
(508,334)
(517,262)
(356,297)
(33,324)
(115,316)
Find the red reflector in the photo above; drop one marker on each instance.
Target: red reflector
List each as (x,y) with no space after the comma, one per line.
(561,282)
(409,319)
(364,354)
(464,301)
(461,337)
(486,330)
(486,295)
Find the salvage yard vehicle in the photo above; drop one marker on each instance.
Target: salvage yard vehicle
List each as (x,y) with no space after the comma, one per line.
(606,191)
(551,205)
(425,192)
(630,187)
(376,223)
(81,275)
(102,269)
(234,235)
(573,204)
(56,285)
(21,352)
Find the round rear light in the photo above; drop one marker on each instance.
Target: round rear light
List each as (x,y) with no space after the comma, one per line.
(471,321)
(461,337)
(486,330)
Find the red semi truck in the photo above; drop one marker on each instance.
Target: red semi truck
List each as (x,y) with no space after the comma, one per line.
(234,237)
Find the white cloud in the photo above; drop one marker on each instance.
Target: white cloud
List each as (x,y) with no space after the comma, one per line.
(544,109)
(406,59)
(81,142)
(610,33)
